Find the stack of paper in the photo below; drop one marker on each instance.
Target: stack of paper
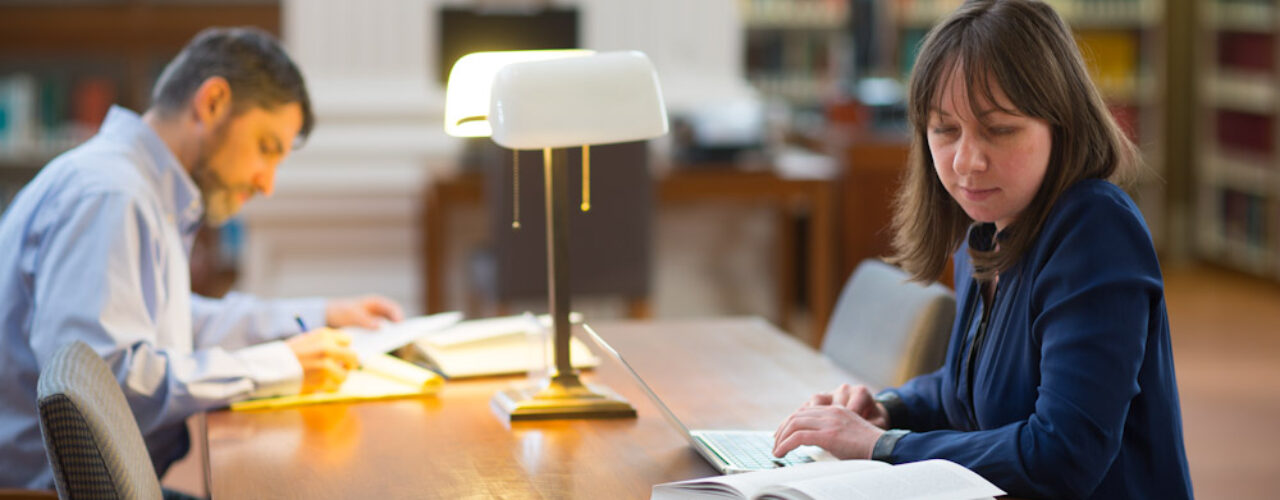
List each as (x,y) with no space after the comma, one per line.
(497,346)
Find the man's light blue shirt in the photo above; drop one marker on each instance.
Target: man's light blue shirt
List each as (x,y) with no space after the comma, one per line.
(96,249)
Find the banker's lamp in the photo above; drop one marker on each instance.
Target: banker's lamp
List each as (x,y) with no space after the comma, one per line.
(552,104)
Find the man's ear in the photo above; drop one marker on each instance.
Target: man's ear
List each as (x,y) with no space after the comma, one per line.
(212,101)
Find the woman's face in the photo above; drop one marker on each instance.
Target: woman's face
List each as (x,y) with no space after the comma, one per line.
(990,161)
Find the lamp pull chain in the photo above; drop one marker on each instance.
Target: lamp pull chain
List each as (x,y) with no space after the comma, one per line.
(586,178)
(515,189)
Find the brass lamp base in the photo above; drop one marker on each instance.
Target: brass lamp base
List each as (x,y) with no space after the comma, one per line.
(562,397)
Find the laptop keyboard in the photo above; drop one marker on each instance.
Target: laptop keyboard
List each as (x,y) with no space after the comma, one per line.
(751,450)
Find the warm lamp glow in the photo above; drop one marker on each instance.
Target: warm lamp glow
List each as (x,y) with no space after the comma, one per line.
(467,94)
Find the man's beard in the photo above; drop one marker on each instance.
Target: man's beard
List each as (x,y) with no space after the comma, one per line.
(219,198)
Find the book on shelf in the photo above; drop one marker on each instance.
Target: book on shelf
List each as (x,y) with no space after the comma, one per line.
(91,97)
(1127,116)
(1254,52)
(17,112)
(1244,217)
(842,480)
(1246,132)
(1112,59)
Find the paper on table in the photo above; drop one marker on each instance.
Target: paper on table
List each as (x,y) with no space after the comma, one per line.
(390,336)
(490,328)
(497,346)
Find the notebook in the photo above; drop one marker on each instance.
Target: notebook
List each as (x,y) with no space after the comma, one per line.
(729,451)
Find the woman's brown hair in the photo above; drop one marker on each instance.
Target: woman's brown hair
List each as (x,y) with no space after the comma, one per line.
(1025,48)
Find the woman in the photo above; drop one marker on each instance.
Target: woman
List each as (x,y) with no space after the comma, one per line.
(1059,377)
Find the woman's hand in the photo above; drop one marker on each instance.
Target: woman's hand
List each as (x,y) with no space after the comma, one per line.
(857,399)
(363,312)
(836,429)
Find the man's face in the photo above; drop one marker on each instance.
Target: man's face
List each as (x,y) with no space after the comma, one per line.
(239,156)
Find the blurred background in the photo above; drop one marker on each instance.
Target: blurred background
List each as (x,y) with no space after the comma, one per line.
(788,137)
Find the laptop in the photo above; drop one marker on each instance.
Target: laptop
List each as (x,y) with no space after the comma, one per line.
(729,451)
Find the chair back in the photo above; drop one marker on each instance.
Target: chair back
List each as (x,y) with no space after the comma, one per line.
(610,246)
(886,329)
(90,435)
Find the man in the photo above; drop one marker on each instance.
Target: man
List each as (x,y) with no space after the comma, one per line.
(96,248)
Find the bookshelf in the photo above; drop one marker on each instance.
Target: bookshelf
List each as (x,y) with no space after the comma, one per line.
(1238,188)
(797,50)
(1122,42)
(62,64)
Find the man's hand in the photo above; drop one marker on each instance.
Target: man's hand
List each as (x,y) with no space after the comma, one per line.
(857,399)
(325,357)
(836,429)
(363,312)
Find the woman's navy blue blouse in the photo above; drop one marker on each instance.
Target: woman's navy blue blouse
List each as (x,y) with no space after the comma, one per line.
(1071,391)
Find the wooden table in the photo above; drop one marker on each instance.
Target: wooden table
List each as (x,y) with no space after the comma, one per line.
(789,198)
(714,373)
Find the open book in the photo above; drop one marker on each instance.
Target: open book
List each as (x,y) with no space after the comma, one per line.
(843,480)
(379,377)
(495,346)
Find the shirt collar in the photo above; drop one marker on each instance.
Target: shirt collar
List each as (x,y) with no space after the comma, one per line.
(172,179)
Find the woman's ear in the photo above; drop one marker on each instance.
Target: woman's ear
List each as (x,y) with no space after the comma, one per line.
(212,101)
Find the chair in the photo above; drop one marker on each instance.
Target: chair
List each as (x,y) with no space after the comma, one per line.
(17,494)
(610,247)
(90,434)
(886,329)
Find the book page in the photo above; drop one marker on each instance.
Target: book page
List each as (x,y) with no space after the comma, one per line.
(492,328)
(927,480)
(500,356)
(747,485)
(390,336)
(497,346)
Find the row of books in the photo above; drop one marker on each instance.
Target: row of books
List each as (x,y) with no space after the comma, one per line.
(1246,217)
(1246,51)
(796,48)
(1113,57)
(1239,94)
(1076,12)
(1114,62)
(779,52)
(814,14)
(47,114)
(1243,15)
(1245,132)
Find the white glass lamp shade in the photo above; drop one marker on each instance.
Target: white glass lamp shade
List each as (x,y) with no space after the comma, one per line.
(596,99)
(466,106)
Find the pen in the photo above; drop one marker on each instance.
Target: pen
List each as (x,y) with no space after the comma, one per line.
(431,367)
(301,324)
